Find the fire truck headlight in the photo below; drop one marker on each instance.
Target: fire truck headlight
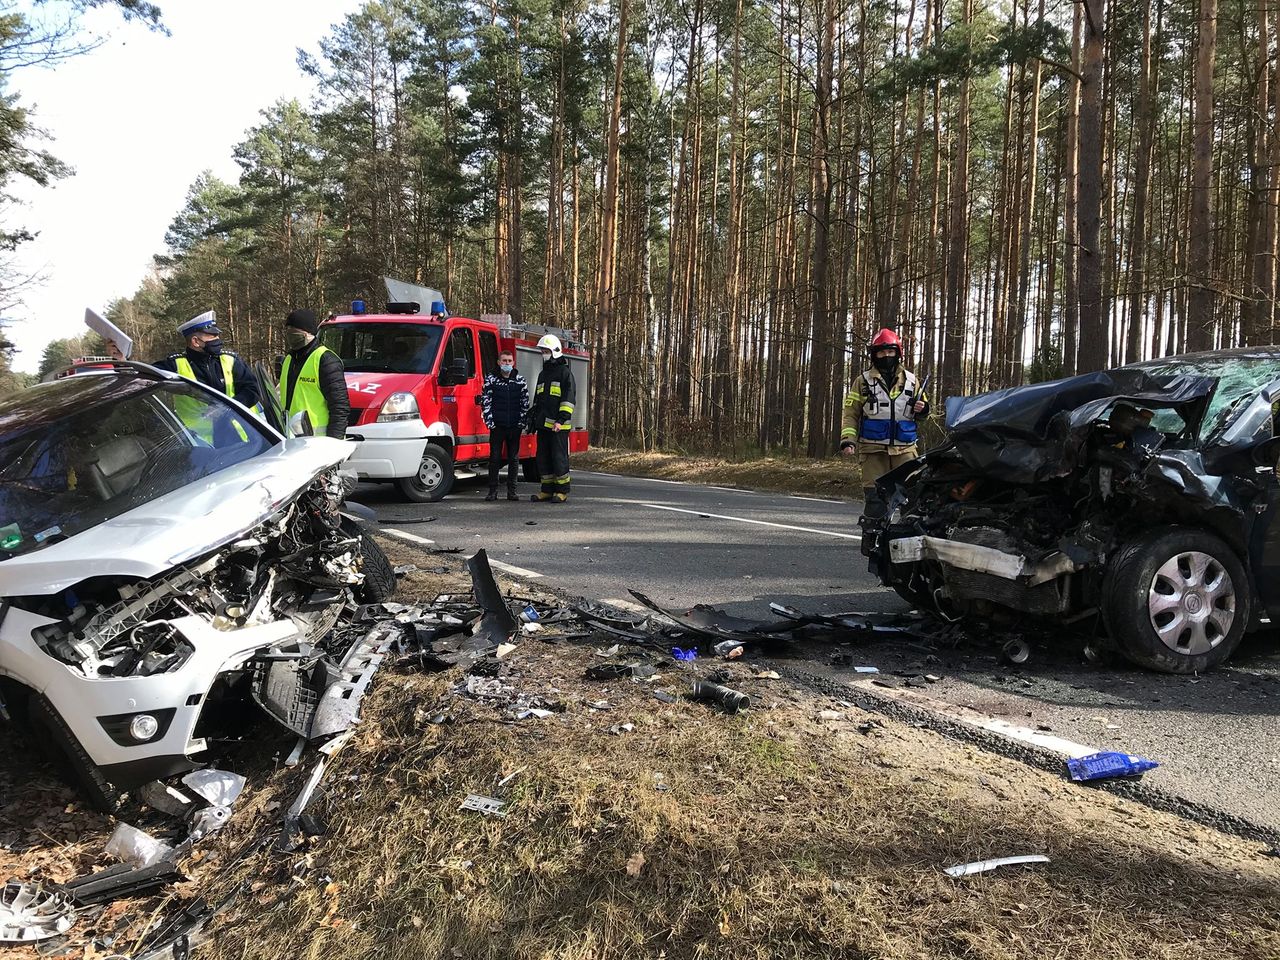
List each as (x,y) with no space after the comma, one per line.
(398,406)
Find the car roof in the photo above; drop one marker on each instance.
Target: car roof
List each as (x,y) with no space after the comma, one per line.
(1261,352)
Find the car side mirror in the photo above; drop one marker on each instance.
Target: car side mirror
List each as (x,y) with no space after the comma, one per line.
(300,424)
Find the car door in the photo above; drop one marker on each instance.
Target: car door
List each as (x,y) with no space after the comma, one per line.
(460,381)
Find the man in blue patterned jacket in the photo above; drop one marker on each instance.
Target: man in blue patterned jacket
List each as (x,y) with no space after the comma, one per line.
(504,403)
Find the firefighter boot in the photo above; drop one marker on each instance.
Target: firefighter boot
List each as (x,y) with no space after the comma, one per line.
(541,497)
(559,497)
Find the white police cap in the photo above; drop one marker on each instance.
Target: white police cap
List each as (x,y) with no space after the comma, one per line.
(207,322)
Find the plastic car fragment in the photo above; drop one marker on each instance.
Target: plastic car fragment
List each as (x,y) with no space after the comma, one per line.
(982,866)
(218,787)
(31,912)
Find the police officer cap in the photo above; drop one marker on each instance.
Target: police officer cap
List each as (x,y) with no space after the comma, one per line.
(205,323)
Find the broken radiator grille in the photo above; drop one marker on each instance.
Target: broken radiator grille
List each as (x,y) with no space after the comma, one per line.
(1044,598)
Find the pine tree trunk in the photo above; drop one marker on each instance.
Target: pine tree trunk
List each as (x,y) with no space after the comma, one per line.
(957,287)
(1093,333)
(1199,265)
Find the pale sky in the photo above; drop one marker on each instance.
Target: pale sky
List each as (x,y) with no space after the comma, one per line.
(138,119)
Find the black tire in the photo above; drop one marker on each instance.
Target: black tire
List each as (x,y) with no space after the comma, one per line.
(379,576)
(529,471)
(1162,563)
(55,737)
(434,478)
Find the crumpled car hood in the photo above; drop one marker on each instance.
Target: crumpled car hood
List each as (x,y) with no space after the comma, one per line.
(1027,434)
(187,523)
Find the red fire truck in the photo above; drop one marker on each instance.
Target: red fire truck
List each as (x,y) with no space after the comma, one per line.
(415,380)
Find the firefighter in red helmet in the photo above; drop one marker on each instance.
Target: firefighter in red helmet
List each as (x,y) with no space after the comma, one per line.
(881,411)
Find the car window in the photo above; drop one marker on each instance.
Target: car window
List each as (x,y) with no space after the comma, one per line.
(461,345)
(1240,378)
(384,347)
(488,352)
(63,474)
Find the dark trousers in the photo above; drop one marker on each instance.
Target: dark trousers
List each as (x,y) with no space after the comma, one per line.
(498,438)
(553,461)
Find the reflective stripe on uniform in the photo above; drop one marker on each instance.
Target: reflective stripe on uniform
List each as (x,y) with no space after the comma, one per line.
(556,390)
(550,424)
(559,480)
(849,433)
(566,408)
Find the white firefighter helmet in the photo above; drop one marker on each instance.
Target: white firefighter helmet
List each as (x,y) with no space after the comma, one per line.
(551,342)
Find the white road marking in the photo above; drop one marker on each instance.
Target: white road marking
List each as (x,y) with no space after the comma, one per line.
(763,523)
(796,496)
(514,571)
(623,476)
(972,718)
(405,535)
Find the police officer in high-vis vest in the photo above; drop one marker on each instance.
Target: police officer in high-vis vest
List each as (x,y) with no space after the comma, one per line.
(206,361)
(312,379)
(881,412)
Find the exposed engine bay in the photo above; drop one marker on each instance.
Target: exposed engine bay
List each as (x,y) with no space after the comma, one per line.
(1034,500)
(302,564)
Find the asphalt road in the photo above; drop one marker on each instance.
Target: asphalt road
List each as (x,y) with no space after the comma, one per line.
(1216,737)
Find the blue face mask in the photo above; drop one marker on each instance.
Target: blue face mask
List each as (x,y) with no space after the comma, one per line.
(213,347)
(505,367)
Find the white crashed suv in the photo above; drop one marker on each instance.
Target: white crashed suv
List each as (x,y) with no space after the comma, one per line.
(165,555)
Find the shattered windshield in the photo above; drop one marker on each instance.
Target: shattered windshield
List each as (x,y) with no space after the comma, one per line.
(384,347)
(1240,378)
(80,451)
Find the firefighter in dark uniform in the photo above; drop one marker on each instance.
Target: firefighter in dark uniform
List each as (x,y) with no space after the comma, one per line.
(206,361)
(551,417)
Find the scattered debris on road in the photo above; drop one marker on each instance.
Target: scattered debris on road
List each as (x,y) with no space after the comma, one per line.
(1100,766)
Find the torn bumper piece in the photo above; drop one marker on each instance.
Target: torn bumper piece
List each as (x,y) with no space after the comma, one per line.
(313,696)
(972,571)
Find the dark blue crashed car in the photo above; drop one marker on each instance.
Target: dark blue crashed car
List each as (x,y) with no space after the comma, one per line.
(1135,506)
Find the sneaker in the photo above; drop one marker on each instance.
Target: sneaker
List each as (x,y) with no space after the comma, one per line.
(559,497)
(493,495)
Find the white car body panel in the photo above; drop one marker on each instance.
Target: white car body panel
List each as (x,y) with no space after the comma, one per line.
(193,520)
(390,451)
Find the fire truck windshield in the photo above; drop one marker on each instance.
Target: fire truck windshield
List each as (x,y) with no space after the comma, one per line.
(384,347)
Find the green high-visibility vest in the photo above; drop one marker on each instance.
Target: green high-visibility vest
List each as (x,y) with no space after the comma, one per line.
(195,414)
(306,390)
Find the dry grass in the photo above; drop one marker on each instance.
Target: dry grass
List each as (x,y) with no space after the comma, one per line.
(765,835)
(833,477)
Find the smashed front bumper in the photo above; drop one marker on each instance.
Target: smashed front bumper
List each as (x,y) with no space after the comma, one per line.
(975,572)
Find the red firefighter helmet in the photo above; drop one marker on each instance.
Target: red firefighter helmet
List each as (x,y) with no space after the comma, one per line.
(885,338)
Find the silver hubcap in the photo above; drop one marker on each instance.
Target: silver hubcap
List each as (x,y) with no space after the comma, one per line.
(430,474)
(1192,603)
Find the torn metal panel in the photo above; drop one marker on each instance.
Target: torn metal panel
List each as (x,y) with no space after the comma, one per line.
(717,624)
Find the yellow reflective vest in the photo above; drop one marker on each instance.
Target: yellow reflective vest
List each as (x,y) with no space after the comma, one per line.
(306,390)
(195,414)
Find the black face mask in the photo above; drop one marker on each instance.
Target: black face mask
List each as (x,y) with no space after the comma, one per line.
(213,347)
(888,366)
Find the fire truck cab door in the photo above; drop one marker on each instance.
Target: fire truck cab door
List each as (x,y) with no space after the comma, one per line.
(460,382)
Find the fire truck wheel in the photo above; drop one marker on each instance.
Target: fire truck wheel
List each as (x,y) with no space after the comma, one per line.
(434,478)
(529,471)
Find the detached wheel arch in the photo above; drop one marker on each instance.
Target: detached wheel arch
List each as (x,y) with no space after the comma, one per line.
(434,478)
(1176,599)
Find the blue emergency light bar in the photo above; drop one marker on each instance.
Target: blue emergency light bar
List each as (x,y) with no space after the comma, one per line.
(437,307)
(357,306)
